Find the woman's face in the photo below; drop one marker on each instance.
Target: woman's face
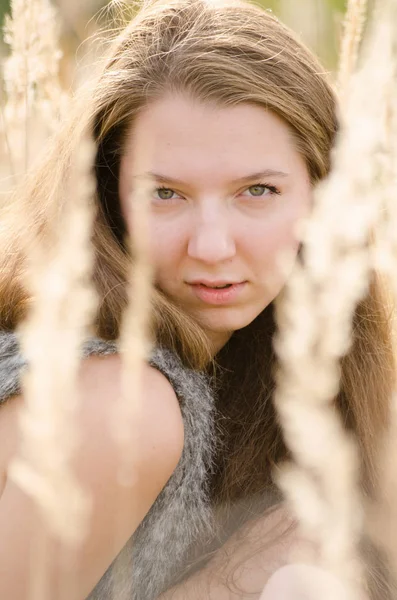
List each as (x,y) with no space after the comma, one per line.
(231,188)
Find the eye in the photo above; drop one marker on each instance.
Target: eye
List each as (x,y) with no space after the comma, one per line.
(165,194)
(258,190)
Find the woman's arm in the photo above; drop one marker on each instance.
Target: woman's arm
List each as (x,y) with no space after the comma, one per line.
(243,565)
(270,574)
(305,582)
(158,434)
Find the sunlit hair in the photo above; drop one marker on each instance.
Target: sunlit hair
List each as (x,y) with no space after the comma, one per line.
(223,53)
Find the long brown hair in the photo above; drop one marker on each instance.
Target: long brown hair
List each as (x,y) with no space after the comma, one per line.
(224,53)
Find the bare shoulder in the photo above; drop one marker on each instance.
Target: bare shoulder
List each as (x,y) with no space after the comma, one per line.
(158,427)
(157,439)
(99,387)
(101,375)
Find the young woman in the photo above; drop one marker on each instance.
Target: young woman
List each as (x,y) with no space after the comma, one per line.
(243,121)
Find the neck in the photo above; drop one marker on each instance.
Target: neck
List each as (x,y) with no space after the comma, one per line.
(218,340)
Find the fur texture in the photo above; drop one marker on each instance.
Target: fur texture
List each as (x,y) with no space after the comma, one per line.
(181,516)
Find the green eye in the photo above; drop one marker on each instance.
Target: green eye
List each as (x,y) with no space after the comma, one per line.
(164,193)
(257,190)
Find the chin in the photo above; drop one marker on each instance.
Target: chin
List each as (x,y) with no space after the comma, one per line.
(226,321)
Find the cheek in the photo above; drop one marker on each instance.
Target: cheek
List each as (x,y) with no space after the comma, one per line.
(284,254)
(274,248)
(266,240)
(165,247)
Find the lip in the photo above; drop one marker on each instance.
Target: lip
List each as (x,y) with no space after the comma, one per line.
(217,297)
(213,283)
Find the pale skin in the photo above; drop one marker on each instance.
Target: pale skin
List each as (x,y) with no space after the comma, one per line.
(155,448)
(213,225)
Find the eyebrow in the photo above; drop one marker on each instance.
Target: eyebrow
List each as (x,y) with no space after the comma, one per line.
(259,175)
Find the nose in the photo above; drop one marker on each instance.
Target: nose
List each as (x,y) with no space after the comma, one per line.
(212,240)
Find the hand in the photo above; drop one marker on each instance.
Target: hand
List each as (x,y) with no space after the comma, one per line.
(303,582)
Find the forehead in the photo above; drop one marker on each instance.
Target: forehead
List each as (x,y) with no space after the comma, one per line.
(192,140)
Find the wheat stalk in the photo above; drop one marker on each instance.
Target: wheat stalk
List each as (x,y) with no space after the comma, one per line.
(315,319)
(50,340)
(383,515)
(134,343)
(353,32)
(31,77)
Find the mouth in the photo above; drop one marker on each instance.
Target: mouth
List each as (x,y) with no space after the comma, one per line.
(220,284)
(219,293)
(216,287)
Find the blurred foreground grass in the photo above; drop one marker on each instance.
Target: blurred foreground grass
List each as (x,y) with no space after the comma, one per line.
(319,22)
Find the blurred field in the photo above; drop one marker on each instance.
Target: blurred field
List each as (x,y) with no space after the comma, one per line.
(318,22)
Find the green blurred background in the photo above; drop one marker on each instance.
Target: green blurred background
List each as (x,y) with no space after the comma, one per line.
(319,22)
(82,29)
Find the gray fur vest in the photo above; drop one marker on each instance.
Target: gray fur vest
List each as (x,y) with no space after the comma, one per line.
(181,517)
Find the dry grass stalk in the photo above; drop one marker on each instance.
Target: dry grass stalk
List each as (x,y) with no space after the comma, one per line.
(34,98)
(51,338)
(352,36)
(315,320)
(309,18)
(135,344)
(383,516)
